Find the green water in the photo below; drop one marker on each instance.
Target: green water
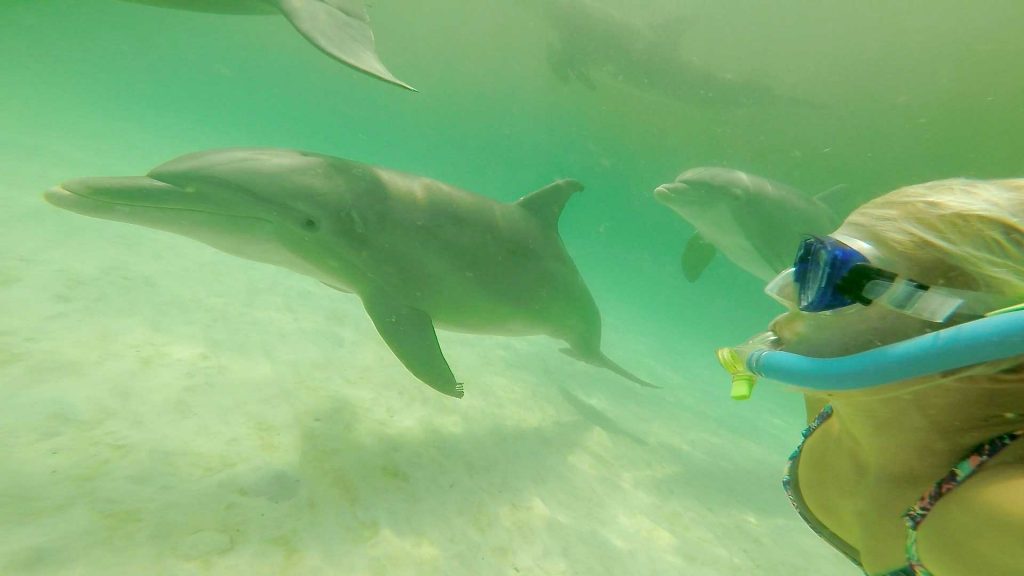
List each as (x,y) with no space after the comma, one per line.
(168,409)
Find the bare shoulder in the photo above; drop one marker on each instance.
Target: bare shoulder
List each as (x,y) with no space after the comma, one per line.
(978,528)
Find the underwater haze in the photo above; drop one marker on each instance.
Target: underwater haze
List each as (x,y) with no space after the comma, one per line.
(171,409)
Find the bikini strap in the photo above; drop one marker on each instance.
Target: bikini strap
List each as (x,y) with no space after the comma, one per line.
(964,469)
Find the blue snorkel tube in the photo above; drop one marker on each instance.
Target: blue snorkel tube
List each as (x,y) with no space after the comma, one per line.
(997,336)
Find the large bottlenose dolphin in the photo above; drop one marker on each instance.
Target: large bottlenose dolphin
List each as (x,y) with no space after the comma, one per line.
(339,28)
(418,252)
(755,222)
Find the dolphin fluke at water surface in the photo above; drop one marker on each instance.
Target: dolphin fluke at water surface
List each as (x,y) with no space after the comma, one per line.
(419,253)
(339,28)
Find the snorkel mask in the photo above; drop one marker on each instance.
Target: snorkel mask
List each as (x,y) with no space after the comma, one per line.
(834,273)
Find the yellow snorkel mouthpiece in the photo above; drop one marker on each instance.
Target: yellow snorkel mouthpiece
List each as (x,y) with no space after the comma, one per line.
(734,360)
(743,380)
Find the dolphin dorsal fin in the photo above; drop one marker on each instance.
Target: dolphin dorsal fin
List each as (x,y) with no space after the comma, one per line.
(546,204)
(837,200)
(830,197)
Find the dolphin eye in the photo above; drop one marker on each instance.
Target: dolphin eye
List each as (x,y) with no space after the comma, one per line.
(310,224)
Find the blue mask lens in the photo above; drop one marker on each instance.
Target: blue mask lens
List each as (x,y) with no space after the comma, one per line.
(821,262)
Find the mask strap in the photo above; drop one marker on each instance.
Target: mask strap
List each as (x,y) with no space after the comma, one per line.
(935,304)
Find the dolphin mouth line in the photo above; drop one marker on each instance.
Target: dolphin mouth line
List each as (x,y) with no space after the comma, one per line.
(683,190)
(92,199)
(665,191)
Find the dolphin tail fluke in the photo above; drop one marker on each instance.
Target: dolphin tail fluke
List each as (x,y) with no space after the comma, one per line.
(601,361)
(341,29)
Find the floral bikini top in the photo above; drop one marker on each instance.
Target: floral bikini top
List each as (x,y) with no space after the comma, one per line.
(914,516)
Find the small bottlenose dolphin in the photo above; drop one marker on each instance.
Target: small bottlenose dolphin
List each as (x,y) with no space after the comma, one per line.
(755,222)
(339,28)
(418,252)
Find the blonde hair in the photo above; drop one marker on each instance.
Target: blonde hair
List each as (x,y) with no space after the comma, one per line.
(970,227)
(973,229)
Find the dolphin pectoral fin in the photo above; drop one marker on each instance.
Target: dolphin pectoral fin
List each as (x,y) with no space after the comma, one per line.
(409,332)
(581,74)
(558,63)
(564,66)
(696,256)
(341,29)
(602,361)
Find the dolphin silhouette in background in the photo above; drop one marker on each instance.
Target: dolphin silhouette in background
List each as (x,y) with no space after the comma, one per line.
(594,42)
(418,252)
(339,28)
(755,222)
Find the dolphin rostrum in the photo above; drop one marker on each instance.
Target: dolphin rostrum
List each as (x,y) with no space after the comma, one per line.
(339,28)
(418,252)
(755,222)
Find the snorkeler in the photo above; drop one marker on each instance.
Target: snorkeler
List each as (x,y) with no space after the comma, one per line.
(905,333)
